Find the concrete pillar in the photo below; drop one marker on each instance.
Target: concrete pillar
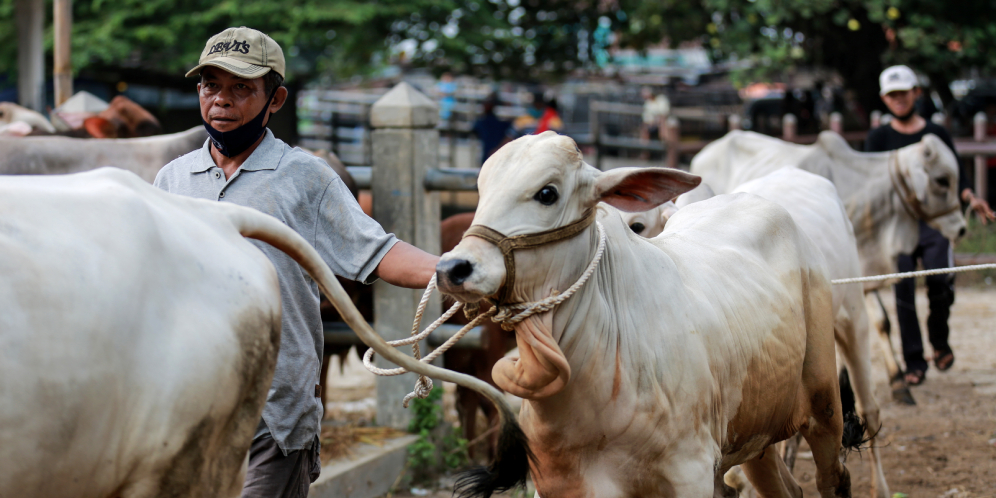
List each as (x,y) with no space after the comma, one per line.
(981,170)
(31,54)
(62,68)
(876,119)
(789,127)
(836,123)
(405,143)
(733,122)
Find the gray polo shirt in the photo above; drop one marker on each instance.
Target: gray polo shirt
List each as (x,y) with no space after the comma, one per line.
(306,194)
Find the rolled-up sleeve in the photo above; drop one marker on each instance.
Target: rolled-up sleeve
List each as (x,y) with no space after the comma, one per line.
(349,241)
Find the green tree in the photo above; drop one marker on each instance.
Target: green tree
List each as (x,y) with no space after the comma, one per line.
(856,38)
(339,38)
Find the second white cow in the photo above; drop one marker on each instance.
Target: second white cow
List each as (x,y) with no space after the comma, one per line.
(814,205)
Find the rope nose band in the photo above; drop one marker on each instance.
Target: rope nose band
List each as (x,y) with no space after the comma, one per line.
(508,245)
(906,194)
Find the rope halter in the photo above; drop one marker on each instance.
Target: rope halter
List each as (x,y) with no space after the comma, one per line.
(508,315)
(911,203)
(508,245)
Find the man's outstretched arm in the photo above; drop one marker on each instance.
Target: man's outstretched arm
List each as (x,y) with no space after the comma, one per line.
(407,266)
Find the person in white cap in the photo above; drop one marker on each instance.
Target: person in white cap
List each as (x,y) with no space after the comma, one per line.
(899,89)
(241,73)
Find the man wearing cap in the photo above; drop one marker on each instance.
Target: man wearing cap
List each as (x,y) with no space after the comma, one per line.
(241,71)
(900,88)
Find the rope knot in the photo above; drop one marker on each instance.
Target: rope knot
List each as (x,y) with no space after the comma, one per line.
(423,386)
(471,310)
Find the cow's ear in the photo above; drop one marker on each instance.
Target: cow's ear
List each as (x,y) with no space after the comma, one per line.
(642,189)
(667,211)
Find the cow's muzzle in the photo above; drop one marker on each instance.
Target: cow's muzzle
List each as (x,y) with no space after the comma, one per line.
(453,272)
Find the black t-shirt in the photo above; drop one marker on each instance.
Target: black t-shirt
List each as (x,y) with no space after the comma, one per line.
(886,138)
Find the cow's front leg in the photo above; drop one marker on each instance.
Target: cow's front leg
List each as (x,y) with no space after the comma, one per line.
(880,321)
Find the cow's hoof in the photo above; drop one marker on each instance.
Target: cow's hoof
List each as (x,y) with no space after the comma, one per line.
(903,396)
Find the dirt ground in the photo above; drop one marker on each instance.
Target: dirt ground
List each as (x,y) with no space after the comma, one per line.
(943,447)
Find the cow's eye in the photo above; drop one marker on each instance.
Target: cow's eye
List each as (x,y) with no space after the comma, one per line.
(547,195)
(637,227)
(943,181)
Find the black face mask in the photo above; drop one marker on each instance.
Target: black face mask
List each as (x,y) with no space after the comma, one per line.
(235,142)
(907,116)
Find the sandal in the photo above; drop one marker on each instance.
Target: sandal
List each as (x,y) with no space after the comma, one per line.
(915,377)
(944,361)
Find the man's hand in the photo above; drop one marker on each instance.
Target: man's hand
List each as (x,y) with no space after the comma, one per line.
(407,266)
(980,206)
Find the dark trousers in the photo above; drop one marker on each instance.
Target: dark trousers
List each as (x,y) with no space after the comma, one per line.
(271,474)
(933,251)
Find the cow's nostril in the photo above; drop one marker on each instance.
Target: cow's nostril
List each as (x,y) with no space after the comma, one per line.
(961,233)
(456,270)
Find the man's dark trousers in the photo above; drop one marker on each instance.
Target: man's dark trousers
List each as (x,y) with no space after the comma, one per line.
(933,251)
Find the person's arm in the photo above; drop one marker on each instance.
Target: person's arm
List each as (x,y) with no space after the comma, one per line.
(980,206)
(407,266)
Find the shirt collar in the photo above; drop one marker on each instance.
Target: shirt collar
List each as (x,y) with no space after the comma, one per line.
(266,156)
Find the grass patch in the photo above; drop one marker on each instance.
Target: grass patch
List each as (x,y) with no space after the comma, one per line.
(980,239)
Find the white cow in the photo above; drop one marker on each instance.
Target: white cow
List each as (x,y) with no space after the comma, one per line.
(813,203)
(58,155)
(885,193)
(681,357)
(139,335)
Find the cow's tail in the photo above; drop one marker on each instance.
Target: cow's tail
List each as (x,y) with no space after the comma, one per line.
(855,429)
(510,467)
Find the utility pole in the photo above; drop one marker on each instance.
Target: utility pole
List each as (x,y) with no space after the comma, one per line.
(31,53)
(63,68)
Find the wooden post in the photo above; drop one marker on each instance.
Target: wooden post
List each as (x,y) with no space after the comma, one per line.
(733,122)
(405,144)
(595,131)
(789,124)
(876,119)
(981,169)
(672,134)
(31,54)
(63,68)
(836,123)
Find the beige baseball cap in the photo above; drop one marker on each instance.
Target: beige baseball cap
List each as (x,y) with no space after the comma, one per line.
(243,52)
(897,78)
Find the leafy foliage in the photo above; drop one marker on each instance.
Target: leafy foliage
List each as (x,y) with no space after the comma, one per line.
(532,39)
(433,452)
(337,38)
(857,38)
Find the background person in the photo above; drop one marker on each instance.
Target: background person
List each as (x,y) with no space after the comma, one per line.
(899,89)
(655,110)
(525,123)
(490,130)
(550,119)
(241,72)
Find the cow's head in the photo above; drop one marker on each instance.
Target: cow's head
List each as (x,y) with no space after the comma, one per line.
(536,184)
(927,183)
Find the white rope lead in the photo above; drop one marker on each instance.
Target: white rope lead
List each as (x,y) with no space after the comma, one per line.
(423,386)
(912,274)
